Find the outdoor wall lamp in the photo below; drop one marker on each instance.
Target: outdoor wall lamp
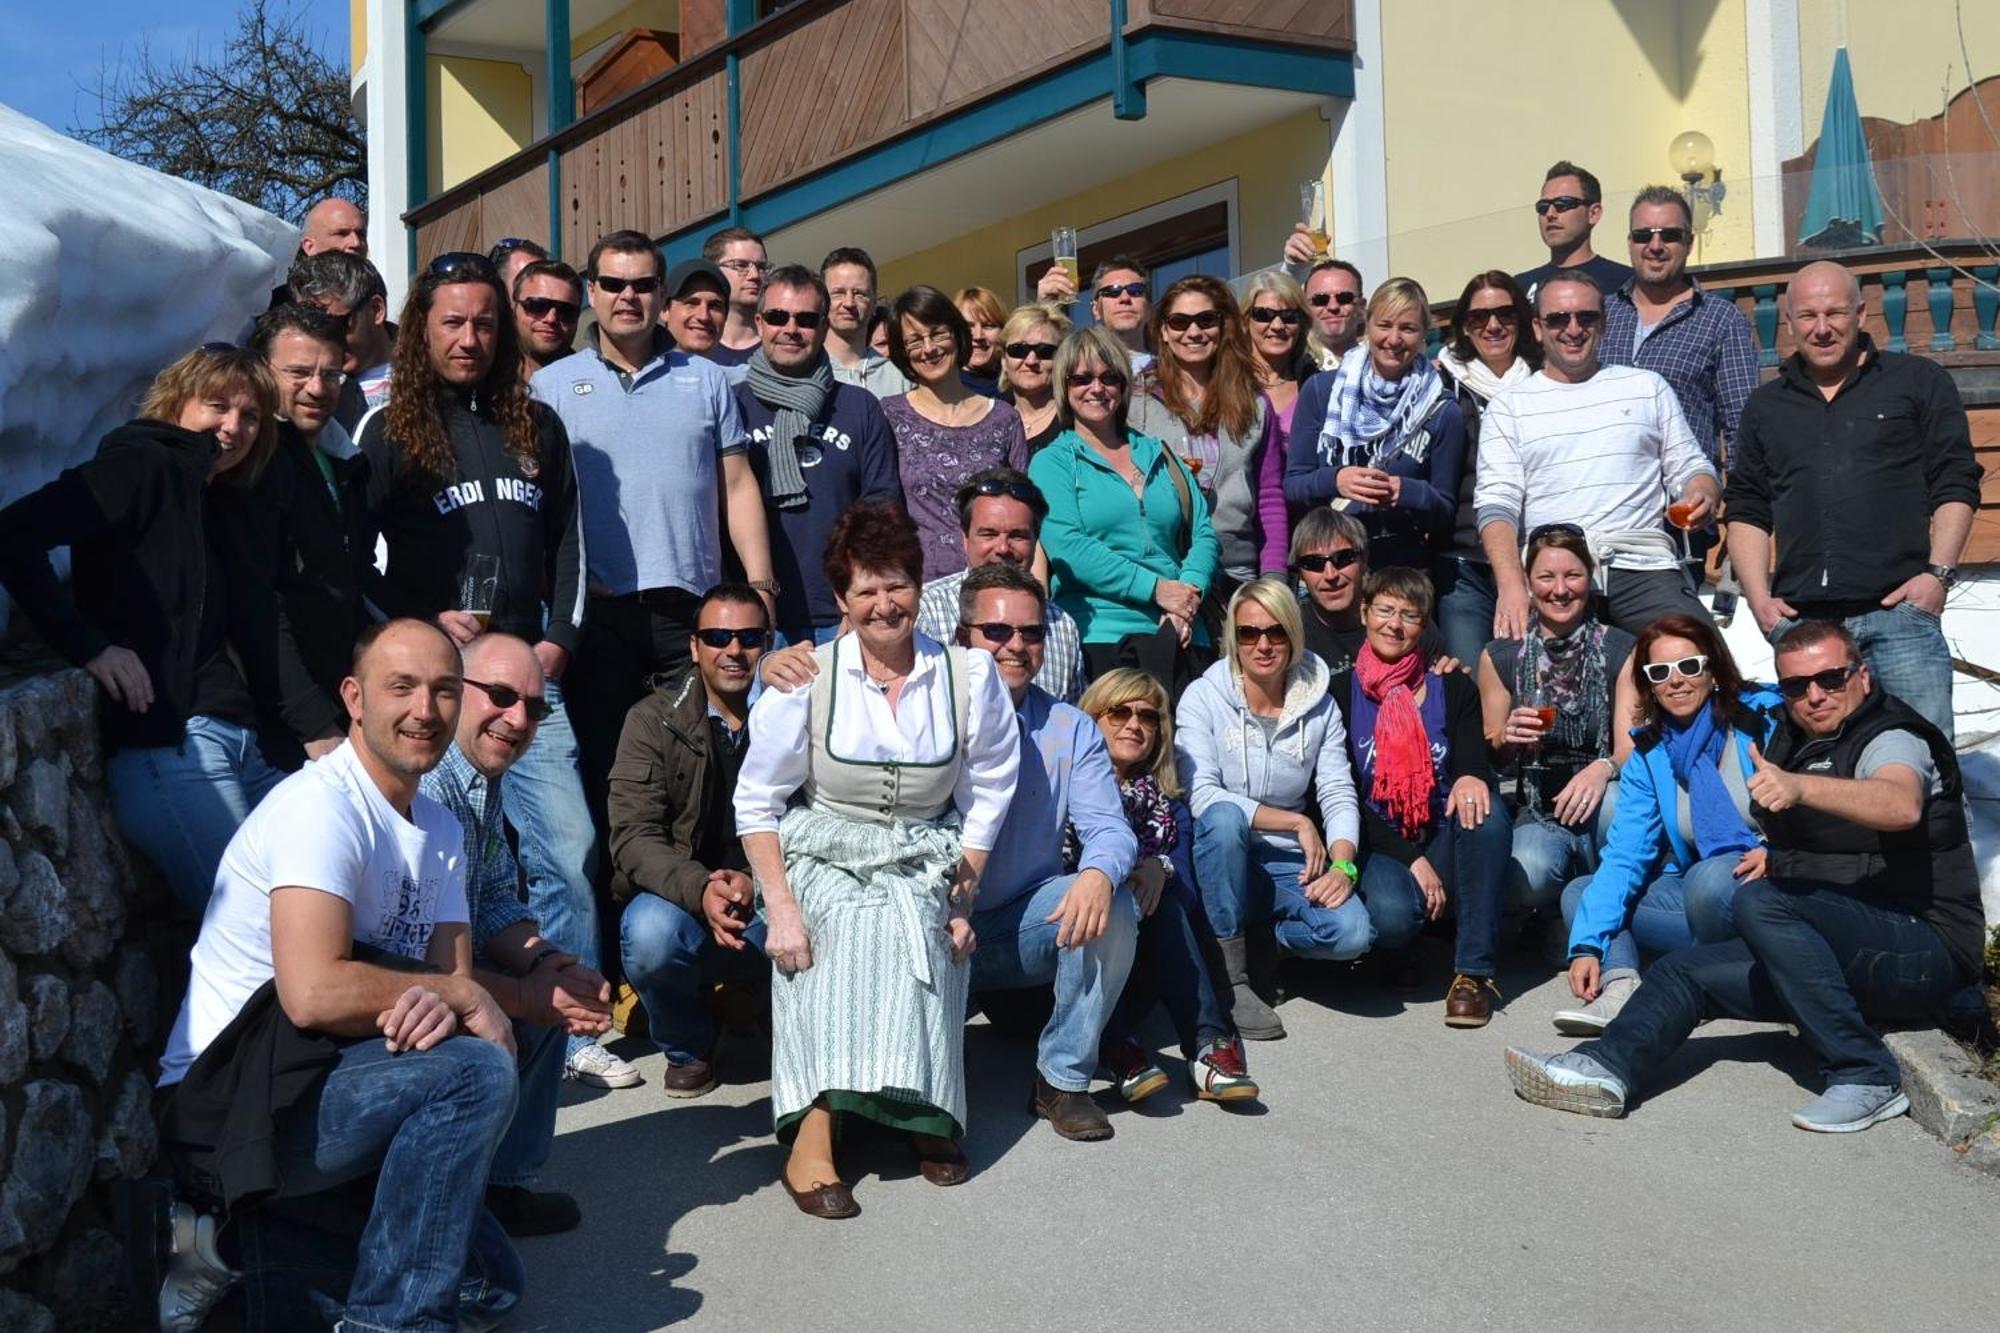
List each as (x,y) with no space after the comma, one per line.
(1692,156)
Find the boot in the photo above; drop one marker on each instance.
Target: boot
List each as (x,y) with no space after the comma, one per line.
(1261,946)
(1255,1020)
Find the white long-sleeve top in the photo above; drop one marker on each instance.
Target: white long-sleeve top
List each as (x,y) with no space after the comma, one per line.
(1608,455)
(865,729)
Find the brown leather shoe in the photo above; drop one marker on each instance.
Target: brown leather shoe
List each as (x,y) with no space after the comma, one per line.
(1469,1002)
(1073,1114)
(831,1202)
(692,1079)
(941,1165)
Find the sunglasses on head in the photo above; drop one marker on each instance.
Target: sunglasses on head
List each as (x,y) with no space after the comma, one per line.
(1480,317)
(1316,564)
(470,261)
(1024,491)
(1121,289)
(1144,714)
(1562,203)
(645,286)
(1320,300)
(1249,634)
(1659,673)
(1585,319)
(722,638)
(999,633)
(1830,681)
(805,319)
(1550,529)
(1201,319)
(220,347)
(1265,314)
(505,697)
(1110,379)
(1671,235)
(540,307)
(1022,351)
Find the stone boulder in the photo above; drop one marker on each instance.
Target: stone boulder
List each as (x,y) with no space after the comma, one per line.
(53,1153)
(35,916)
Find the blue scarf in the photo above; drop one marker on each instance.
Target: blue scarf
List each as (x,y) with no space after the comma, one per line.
(1696,753)
(1370,420)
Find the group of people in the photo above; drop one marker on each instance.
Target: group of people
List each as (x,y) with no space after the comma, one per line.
(463,668)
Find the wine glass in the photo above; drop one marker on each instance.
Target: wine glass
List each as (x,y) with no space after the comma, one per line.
(1531,691)
(1681,514)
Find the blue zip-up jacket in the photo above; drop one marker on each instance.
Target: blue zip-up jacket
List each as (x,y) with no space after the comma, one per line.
(1645,839)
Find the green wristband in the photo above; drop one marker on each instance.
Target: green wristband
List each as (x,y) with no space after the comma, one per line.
(1348,869)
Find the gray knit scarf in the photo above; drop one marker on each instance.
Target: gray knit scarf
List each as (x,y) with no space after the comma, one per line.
(796,399)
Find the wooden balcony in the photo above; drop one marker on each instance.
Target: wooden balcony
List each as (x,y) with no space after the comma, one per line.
(752,125)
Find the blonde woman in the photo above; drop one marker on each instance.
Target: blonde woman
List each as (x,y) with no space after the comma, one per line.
(1028,342)
(1131,709)
(985,313)
(152,602)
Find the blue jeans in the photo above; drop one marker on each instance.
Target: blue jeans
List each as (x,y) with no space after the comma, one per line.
(181,804)
(1672,913)
(544,801)
(815,634)
(1169,969)
(1246,882)
(1474,865)
(426,1124)
(1906,653)
(663,946)
(524,1149)
(1017,949)
(1547,856)
(1465,603)
(1810,954)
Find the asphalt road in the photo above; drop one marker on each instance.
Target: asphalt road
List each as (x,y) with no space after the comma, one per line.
(1389,1179)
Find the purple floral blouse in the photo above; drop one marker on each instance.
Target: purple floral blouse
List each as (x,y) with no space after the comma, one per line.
(934,462)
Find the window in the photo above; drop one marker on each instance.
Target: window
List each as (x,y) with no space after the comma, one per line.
(1194,233)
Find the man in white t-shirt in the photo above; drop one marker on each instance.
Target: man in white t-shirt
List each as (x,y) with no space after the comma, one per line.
(347,852)
(1603,449)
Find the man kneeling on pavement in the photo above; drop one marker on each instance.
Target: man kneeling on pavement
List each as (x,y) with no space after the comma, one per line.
(1871,911)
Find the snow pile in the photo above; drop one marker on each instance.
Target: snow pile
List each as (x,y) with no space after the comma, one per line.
(108,271)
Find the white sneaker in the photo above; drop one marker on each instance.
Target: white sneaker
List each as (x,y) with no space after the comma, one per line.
(196,1276)
(598,1067)
(1590,1019)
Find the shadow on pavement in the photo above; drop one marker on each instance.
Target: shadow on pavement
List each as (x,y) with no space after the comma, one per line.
(1777,1048)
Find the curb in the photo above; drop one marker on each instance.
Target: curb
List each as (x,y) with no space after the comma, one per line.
(1948,1097)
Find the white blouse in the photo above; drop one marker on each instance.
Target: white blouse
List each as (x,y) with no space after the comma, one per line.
(865,729)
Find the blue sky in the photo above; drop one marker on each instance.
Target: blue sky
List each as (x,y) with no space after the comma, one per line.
(49,61)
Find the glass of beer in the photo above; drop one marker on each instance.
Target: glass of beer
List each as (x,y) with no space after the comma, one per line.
(1062,243)
(1312,212)
(479,587)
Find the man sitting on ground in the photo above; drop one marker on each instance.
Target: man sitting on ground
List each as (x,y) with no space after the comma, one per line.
(1871,912)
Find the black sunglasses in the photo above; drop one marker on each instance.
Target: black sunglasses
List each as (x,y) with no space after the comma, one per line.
(220,347)
(1024,491)
(1562,203)
(1249,634)
(1181,321)
(1830,680)
(1315,564)
(1264,314)
(999,633)
(1671,235)
(1659,673)
(1121,289)
(1480,318)
(1320,300)
(1110,379)
(1022,351)
(505,697)
(722,638)
(471,261)
(805,319)
(645,286)
(1548,529)
(1585,319)
(540,306)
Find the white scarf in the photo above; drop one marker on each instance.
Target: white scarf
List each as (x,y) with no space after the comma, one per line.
(1477,376)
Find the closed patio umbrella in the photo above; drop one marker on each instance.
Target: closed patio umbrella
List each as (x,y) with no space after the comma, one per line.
(1843,208)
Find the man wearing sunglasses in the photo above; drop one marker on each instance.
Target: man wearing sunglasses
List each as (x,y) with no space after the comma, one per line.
(347,287)
(1036,923)
(818,446)
(1000,511)
(1570,208)
(1662,320)
(678,873)
(1120,299)
(545,991)
(548,298)
(1870,912)
(1602,449)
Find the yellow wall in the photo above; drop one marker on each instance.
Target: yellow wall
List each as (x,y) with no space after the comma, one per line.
(663,15)
(1267,166)
(357,34)
(481,111)
(1905,55)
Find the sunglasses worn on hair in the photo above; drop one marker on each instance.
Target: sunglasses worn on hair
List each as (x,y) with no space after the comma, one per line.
(805,319)
(469,260)
(1320,300)
(645,286)
(1830,681)
(540,307)
(722,638)
(1562,203)
(505,697)
(1110,379)
(1316,564)
(1249,634)
(1659,673)
(1265,314)
(1671,235)
(999,633)
(220,347)
(1547,529)
(1023,491)
(1484,315)
(1121,289)
(1585,319)
(1200,319)
(1022,351)
(1144,714)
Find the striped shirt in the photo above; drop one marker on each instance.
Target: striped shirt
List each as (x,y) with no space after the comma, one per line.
(1702,347)
(1062,672)
(492,884)
(1606,454)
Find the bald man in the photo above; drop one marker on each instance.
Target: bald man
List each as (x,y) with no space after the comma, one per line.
(335,224)
(1857,462)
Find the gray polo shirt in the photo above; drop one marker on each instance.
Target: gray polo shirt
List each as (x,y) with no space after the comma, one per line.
(648,451)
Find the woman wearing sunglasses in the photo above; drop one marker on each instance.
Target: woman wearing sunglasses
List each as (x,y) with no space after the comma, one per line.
(1028,342)
(1487,348)
(1435,833)
(1382,437)
(1682,838)
(1201,399)
(1130,708)
(1262,751)
(1127,535)
(1577,669)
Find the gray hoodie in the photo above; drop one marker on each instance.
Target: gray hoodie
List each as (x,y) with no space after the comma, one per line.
(1232,491)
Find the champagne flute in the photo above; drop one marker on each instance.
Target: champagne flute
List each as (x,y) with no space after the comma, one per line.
(1062,244)
(1312,212)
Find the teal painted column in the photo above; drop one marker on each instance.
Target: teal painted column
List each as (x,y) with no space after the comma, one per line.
(1986,306)
(1128,95)
(1937,291)
(561,101)
(1765,314)
(1896,309)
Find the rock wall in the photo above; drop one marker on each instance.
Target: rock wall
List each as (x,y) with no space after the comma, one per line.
(83,943)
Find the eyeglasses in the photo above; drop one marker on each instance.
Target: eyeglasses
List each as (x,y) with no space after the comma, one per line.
(1316,564)
(1555,529)
(645,286)
(332,377)
(1110,379)
(1831,680)
(541,307)
(505,697)
(1144,715)
(1671,235)
(1585,319)
(805,319)
(1022,351)
(1201,319)
(1659,673)
(1117,289)
(1265,314)
(1562,203)
(754,639)
(999,633)
(746,265)
(1246,635)
(1026,492)
(471,261)
(1482,316)
(1320,300)
(935,338)
(1386,613)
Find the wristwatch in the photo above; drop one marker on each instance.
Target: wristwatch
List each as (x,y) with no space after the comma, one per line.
(1945,574)
(1347,868)
(765,585)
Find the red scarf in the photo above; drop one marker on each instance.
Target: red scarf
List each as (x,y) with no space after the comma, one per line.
(1404,778)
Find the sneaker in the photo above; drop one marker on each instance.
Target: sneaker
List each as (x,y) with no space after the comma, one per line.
(598,1067)
(1571,1081)
(1468,1001)
(1590,1019)
(196,1276)
(525,1212)
(1847,1107)
(1220,1073)
(1133,1071)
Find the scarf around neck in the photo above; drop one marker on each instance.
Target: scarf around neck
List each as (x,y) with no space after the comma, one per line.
(1477,376)
(1574,683)
(796,401)
(1697,752)
(1369,420)
(1404,778)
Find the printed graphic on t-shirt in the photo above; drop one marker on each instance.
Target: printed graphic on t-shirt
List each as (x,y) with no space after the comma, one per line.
(809,452)
(463,493)
(408,913)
